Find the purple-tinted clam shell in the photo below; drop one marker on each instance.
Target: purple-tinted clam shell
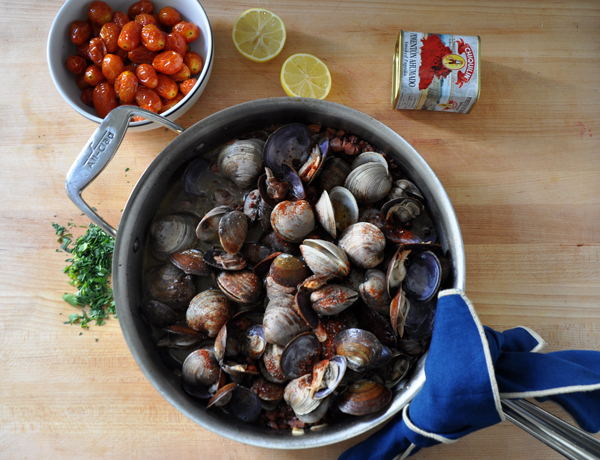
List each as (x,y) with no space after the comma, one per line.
(300,355)
(289,144)
(292,178)
(340,362)
(244,404)
(420,318)
(193,175)
(423,276)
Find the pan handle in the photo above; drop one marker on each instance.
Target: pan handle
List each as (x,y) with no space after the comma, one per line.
(100,150)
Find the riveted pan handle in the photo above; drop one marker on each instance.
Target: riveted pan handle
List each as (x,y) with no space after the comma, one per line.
(100,150)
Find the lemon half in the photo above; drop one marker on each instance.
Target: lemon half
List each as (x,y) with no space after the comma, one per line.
(259,34)
(304,75)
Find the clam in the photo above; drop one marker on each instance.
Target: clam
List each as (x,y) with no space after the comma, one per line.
(369,182)
(399,309)
(397,269)
(193,175)
(200,368)
(311,168)
(178,336)
(274,289)
(299,355)
(374,291)
(332,299)
(289,271)
(225,261)
(325,215)
(173,233)
(293,220)
(233,228)
(296,188)
(270,364)
(368,157)
(372,216)
(317,414)
(209,311)
(255,342)
(364,397)
(376,323)
(244,404)
(304,307)
(364,243)
(297,394)
(420,318)
(360,348)
(191,261)
(282,322)
(401,211)
(170,285)
(241,161)
(327,376)
(345,208)
(208,227)
(423,276)
(325,258)
(266,390)
(158,313)
(251,204)
(272,190)
(334,173)
(404,188)
(289,144)
(222,396)
(242,286)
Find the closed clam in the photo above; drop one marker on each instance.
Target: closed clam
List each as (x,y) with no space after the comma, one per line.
(270,364)
(287,270)
(242,286)
(233,228)
(170,285)
(325,258)
(241,161)
(369,182)
(200,368)
(364,397)
(293,220)
(332,299)
(173,233)
(191,261)
(282,322)
(360,348)
(364,243)
(158,313)
(209,311)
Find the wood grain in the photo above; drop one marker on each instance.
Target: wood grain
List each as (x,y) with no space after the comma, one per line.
(521,170)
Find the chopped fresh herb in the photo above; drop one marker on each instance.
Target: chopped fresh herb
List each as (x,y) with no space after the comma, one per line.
(96,340)
(126,169)
(89,271)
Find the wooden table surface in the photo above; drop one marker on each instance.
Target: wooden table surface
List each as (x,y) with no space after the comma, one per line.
(522,171)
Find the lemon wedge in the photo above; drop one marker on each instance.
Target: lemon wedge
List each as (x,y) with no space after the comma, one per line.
(304,75)
(259,34)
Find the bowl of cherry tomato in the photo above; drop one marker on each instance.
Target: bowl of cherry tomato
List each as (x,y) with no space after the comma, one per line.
(155,54)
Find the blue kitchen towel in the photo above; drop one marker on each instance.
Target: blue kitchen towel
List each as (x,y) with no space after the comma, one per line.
(468,369)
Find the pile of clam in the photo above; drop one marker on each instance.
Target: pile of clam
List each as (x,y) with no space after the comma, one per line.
(294,281)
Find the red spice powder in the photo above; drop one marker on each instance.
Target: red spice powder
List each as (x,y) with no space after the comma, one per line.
(432,53)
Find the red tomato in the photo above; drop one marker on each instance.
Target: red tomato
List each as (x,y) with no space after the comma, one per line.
(194,61)
(120,18)
(126,86)
(153,38)
(166,88)
(105,99)
(186,86)
(168,62)
(169,16)
(143,6)
(87,96)
(147,75)
(100,13)
(76,64)
(97,50)
(175,42)
(112,66)
(93,75)
(145,18)
(80,32)
(130,36)
(141,55)
(189,30)
(183,74)
(168,104)
(148,99)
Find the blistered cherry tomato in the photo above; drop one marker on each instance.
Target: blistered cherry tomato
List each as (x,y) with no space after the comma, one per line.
(147,75)
(143,6)
(131,67)
(120,18)
(145,18)
(168,62)
(153,38)
(189,30)
(112,66)
(87,96)
(169,16)
(141,55)
(100,12)
(130,36)
(175,42)
(124,55)
(95,29)
(147,98)
(110,36)
(166,88)
(194,61)
(80,32)
(93,75)
(76,64)
(83,50)
(97,50)
(105,99)
(168,104)
(80,82)
(182,74)
(186,86)
(126,85)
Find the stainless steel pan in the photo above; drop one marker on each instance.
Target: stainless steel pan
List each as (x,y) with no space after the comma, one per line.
(143,203)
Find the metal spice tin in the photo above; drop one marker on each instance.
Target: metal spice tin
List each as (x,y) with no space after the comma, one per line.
(437,72)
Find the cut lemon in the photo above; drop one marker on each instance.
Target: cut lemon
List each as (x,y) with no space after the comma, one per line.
(304,75)
(259,34)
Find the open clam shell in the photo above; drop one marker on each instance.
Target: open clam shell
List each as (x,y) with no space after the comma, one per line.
(325,258)
(289,144)
(300,355)
(173,233)
(208,227)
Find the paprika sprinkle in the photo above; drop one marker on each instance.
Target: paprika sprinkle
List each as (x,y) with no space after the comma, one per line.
(436,72)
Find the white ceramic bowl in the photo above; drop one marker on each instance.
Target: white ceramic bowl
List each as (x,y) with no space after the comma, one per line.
(59,48)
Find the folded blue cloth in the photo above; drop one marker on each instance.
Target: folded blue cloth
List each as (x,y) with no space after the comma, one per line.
(468,369)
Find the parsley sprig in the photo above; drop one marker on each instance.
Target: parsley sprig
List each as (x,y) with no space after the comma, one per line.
(89,271)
